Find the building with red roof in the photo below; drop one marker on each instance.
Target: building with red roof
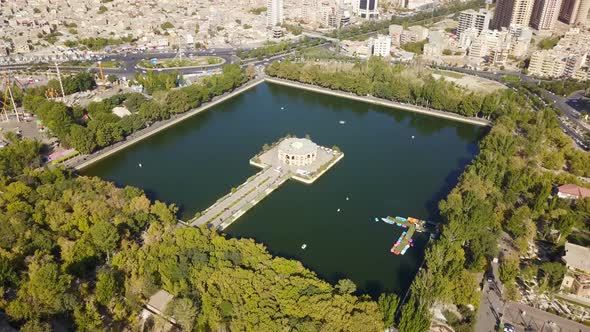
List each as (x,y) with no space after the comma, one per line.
(572,191)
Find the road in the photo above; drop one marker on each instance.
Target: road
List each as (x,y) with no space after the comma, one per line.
(491,304)
(238,200)
(526,318)
(129,61)
(576,100)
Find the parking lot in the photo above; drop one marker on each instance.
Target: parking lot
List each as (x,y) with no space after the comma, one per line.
(577,133)
(25,128)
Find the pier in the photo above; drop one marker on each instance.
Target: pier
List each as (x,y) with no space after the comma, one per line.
(288,158)
(412,225)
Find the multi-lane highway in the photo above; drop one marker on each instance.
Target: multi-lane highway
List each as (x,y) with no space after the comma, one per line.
(129,61)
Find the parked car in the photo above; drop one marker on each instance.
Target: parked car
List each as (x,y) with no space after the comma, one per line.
(509,328)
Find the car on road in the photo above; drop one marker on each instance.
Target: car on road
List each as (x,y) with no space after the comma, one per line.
(509,328)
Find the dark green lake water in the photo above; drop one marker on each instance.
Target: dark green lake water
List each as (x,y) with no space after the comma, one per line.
(384,172)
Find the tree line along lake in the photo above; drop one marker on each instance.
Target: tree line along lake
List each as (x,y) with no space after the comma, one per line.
(396,163)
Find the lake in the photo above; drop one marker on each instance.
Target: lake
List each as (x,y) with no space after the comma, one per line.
(395,163)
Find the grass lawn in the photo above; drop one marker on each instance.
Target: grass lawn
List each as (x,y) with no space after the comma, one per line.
(187,62)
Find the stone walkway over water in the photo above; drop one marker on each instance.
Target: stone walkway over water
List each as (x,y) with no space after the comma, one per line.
(313,162)
(232,206)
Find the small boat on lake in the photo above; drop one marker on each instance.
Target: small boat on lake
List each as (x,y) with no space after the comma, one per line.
(387,220)
(303,246)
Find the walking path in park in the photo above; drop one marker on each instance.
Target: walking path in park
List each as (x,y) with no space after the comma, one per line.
(232,206)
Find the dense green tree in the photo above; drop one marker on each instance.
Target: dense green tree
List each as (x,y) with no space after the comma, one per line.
(81,139)
(82,81)
(380,79)
(35,325)
(134,101)
(152,111)
(112,78)
(516,223)
(346,286)
(553,273)
(509,268)
(388,304)
(177,101)
(415,317)
(18,156)
(43,293)
(131,124)
(153,82)
(105,237)
(87,318)
(184,312)
(108,286)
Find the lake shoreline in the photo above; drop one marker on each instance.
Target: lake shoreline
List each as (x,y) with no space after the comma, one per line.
(84,161)
(380,102)
(200,160)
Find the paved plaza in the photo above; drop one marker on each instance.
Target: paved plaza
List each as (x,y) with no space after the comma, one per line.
(308,173)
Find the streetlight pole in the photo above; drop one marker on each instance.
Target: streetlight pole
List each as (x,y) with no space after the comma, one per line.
(501,325)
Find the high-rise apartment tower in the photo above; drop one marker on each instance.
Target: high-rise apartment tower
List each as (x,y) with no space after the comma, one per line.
(512,12)
(274,12)
(574,11)
(545,13)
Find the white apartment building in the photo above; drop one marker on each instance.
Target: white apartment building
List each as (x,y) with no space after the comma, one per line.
(438,42)
(520,40)
(333,13)
(356,48)
(467,37)
(491,45)
(395,32)
(548,63)
(274,12)
(578,67)
(382,46)
(414,34)
(480,20)
(575,40)
(568,59)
